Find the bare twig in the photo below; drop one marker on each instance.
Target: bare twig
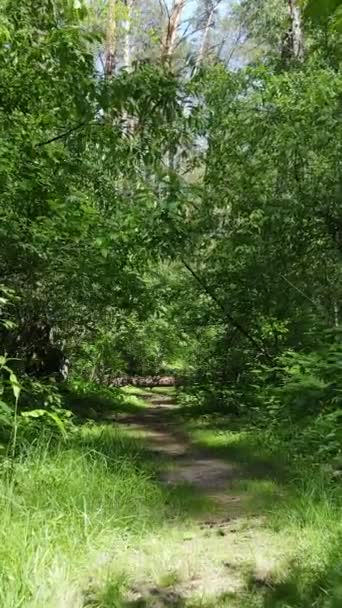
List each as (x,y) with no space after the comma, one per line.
(260,347)
(64,134)
(164,6)
(317,306)
(184,37)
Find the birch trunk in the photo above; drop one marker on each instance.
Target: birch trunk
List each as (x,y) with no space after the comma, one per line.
(204,41)
(128,122)
(170,38)
(296,37)
(110,39)
(127,56)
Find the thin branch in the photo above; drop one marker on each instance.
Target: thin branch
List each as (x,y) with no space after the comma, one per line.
(186,29)
(231,319)
(317,306)
(163,5)
(234,46)
(201,15)
(184,37)
(64,134)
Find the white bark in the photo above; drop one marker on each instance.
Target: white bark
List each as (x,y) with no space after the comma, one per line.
(127,55)
(110,39)
(296,31)
(204,41)
(170,38)
(128,123)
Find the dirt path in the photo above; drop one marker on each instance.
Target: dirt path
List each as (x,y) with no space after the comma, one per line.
(189,464)
(208,559)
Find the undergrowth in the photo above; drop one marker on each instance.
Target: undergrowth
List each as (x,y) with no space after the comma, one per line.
(74,512)
(301,496)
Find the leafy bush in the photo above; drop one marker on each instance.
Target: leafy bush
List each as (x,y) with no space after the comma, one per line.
(299,398)
(26,405)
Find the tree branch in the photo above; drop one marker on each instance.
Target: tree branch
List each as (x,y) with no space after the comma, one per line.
(164,6)
(62,135)
(231,319)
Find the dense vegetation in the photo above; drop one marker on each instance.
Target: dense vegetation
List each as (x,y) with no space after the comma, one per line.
(169,206)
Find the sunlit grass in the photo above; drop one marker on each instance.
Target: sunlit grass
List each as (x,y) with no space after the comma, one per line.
(303,518)
(67,506)
(165,390)
(86,523)
(134,390)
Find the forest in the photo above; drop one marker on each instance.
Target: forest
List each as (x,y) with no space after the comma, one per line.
(170,304)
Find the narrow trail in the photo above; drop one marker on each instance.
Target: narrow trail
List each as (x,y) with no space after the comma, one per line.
(207,557)
(190,464)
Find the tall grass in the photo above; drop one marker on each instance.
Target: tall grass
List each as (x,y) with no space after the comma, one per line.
(302,503)
(67,510)
(73,515)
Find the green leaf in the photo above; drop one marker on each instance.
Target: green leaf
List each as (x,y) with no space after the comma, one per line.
(321,10)
(59,423)
(39,413)
(4,407)
(16,388)
(9,324)
(34,413)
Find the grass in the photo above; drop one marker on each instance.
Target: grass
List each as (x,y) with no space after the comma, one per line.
(135,390)
(304,517)
(90,401)
(165,390)
(85,523)
(72,510)
(64,511)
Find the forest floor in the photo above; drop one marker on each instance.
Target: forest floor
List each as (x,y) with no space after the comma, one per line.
(222,548)
(230,549)
(145,506)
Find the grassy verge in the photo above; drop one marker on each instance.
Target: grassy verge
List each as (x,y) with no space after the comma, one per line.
(71,512)
(85,523)
(303,510)
(57,514)
(87,400)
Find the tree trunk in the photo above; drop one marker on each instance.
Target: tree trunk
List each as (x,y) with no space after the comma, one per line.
(110,39)
(169,42)
(204,41)
(127,58)
(293,43)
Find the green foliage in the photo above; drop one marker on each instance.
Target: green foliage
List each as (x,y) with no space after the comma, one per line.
(90,495)
(268,250)
(152,221)
(321,10)
(20,395)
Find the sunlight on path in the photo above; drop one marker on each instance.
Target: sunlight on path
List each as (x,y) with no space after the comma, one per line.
(208,557)
(190,465)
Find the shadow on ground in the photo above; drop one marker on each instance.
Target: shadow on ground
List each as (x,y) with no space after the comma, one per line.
(99,404)
(218,486)
(298,590)
(256,464)
(197,478)
(304,589)
(154,597)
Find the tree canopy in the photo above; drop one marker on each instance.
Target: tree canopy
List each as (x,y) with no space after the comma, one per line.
(173,211)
